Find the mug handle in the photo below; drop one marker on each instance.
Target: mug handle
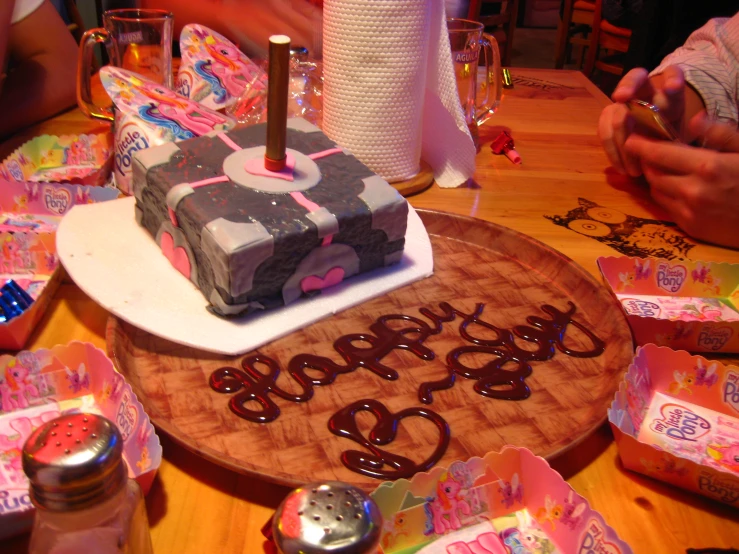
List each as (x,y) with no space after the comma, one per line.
(84,67)
(487,107)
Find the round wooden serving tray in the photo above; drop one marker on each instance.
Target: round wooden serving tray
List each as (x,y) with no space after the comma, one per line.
(475,262)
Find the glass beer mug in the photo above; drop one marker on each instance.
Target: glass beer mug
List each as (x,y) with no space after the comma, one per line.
(467,40)
(136,40)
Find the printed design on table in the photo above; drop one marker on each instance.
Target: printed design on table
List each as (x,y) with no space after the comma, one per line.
(543,84)
(627,234)
(492,380)
(532,87)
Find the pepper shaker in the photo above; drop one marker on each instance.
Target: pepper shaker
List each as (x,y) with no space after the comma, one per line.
(84,500)
(327,517)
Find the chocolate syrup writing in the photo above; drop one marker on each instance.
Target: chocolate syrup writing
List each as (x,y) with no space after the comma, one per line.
(492,380)
(344,424)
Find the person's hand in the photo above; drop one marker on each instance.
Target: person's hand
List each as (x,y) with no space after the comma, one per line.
(699,187)
(666,91)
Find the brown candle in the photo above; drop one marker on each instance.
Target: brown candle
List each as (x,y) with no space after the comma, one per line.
(279,79)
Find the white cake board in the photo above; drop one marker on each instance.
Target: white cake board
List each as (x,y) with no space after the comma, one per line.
(118,264)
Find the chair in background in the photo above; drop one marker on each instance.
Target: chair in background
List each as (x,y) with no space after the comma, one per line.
(574,27)
(76,26)
(606,42)
(501,24)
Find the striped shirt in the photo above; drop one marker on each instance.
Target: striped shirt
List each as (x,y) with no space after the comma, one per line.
(710,61)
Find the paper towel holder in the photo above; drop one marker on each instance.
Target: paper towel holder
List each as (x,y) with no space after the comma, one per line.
(418,183)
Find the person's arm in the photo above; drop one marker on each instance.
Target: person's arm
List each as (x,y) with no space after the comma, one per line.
(698,187)
(42,80)
(676,102)
(702,75)
(710,62)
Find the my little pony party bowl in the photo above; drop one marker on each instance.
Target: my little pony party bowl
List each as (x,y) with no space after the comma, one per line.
(510,501)
(38,386)
(685,305)
(78,159)
(675,418)
(29,215)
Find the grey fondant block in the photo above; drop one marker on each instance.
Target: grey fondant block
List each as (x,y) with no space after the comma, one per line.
(235,251)
(300,124)
(143,160)
(259,243)
(389,209)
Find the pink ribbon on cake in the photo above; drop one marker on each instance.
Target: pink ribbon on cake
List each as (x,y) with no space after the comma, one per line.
(255,166)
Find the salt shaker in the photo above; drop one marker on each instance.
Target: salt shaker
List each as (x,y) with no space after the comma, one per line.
(84,500)
(327,517)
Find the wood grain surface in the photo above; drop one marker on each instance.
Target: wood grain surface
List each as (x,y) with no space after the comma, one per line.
(419,183)
(474,262)
(197,506)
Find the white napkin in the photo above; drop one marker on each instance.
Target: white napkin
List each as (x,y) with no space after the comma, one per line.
(390,96)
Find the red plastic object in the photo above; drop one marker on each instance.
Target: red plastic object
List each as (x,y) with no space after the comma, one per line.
(503,144)
(274,165)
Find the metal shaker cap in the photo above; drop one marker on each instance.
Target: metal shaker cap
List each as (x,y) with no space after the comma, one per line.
(327,517)
(74,462)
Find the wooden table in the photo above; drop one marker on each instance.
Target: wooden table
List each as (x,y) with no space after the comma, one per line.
(199,507)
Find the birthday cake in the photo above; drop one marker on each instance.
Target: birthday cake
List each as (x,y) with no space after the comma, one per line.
(252,239)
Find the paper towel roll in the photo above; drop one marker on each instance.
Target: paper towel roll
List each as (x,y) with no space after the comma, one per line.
(389,90)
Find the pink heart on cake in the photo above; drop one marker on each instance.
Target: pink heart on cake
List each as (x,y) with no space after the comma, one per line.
(176,256)
(255,166)
(333,276)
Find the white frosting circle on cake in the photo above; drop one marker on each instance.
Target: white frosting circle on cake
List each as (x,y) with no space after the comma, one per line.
(306,173)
